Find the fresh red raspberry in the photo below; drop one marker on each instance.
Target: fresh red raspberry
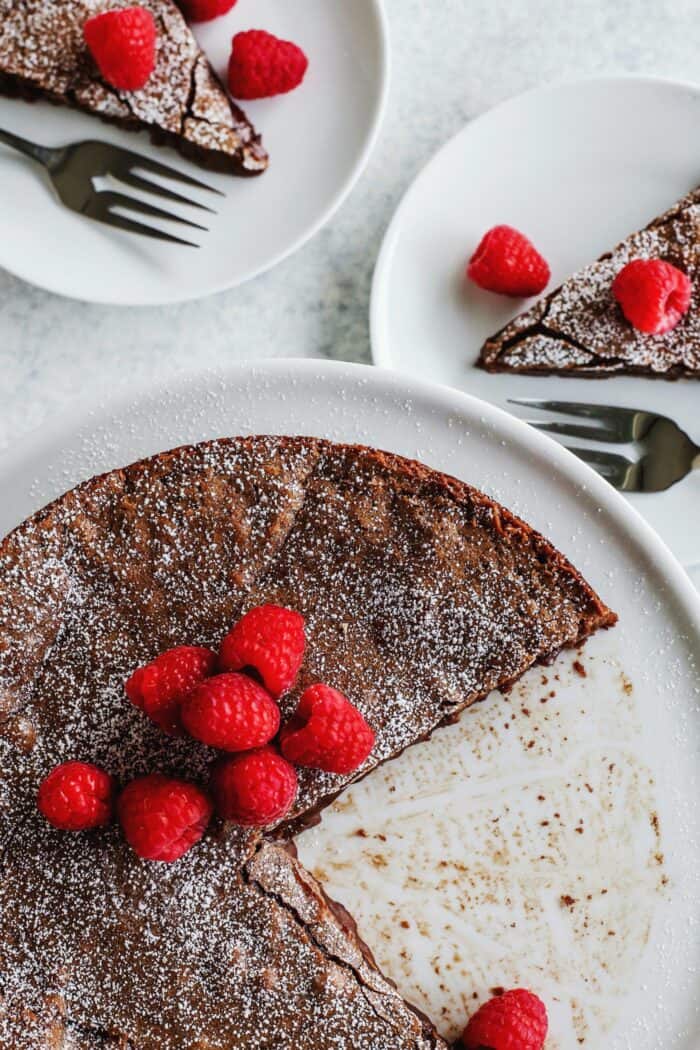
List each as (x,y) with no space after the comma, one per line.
(516,1020)
(205,10)
(163,817)
(653,294)
(261,65)
(232,712)
(270,640)
(507,262)
(76,796)
(123,44)
(159,688)
(326,732)
(254,789)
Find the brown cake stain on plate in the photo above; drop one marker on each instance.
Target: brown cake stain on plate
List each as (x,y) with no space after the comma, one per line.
(520,846)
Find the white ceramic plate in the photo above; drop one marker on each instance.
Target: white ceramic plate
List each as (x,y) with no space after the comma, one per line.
(576,167)
(319,138)
(553,844)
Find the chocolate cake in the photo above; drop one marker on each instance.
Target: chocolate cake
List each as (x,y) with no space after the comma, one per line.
(420,594)
(580,330)
(43,55)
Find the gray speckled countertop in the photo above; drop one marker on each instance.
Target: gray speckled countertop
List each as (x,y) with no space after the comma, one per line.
(453,59)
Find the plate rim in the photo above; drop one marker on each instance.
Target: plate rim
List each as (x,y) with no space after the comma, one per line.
(379,346)
(83,414)
(378,8)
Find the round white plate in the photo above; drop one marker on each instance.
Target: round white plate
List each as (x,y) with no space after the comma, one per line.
(319,138)
(553,844)
(577,167)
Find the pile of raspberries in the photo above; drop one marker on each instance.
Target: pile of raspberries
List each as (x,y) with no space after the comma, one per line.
(229,702)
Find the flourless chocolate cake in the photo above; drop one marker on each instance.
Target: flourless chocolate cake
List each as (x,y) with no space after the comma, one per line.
(420,594)
(580,330)
(43,55)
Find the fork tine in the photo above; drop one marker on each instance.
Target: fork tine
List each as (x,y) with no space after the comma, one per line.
(601,458)
(109,199)
(139,183)
(575,430)
(604,413)
(122,223)
(136,160)
(628,424)
(621,472)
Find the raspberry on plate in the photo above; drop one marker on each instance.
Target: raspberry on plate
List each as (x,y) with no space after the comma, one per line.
(516,1020)
(653,294)
(507,262)
(76,796)
(262,65)
(255,788)
(270,640)
(326,732)
(205,10)
(123,44)
(163,817)
(158,688)
(232,712)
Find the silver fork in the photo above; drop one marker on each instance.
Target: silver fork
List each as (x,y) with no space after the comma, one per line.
(666,452)
(73,169)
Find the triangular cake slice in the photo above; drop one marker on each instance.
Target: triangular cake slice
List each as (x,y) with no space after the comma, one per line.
(420,596)
(579,329)
(43,56)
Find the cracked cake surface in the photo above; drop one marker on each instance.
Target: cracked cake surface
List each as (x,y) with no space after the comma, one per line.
(43,55)
(420,596)
(580,330)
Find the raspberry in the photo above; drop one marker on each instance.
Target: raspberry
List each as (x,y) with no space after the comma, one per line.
(159,688)
(326,732)
(261,65)
(232,712)
(516,1020)
(507,262)
(205,10)
(163,817)
(270,640)
(254,789)
(75,796)
(123,44)
(653,294)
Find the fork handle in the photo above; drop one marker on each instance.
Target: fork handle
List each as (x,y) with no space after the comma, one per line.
(40,153)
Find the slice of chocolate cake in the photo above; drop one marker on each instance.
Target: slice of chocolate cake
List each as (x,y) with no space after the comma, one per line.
(580,330)
(420,595)
(43,55)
